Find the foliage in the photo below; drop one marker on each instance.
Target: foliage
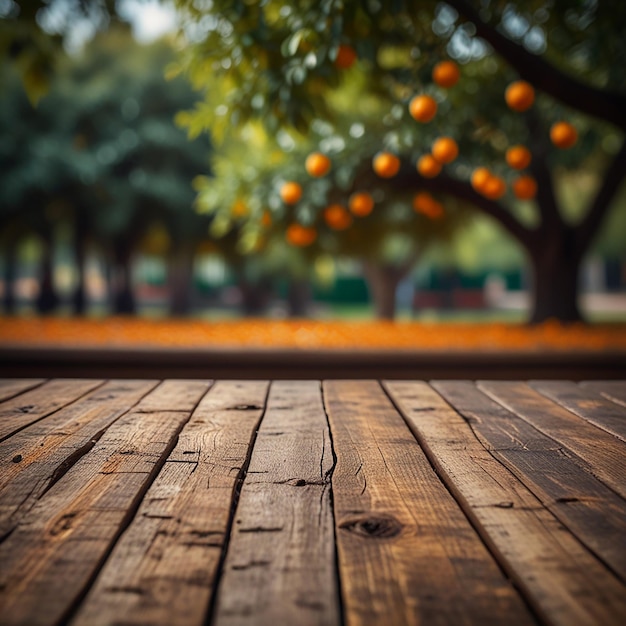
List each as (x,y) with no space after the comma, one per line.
(283,63)
(33,34)
(280,79)
(252,166)
(102,146)
(278,57)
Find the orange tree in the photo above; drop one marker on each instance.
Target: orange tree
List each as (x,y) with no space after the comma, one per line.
(281,61)
(299,203)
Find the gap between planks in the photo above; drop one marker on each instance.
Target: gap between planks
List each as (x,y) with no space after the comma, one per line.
(280,565)
(592,448)
(37,457)
(11,387)
(586,403)
(35,404)
(560,579)
(407,552)
(50,558)
(167,560)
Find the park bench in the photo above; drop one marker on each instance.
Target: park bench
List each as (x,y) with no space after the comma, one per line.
(303,502)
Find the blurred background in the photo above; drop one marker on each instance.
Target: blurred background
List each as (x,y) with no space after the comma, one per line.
(144,157)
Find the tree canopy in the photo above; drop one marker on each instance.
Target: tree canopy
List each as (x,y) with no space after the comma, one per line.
(536,90)
(285,64)
(101,151)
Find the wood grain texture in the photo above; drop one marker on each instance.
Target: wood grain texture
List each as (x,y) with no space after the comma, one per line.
(280,565)
(11,387)
(163,569)
(134,502)
(174,395)
(537,527)
(48,561)
(32,460)
(598,452)
(407,553)
(587,507)
(587,404)
(27,408)
(613,390)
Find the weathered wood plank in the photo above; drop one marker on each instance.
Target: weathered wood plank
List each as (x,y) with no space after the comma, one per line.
(163,569)
(29,407)
(600,453)
(407,553)
(560,579)
(594,514)
(586,404)
(175,395)
(614,390)
(10,387)
(32,460)
(280,565)
(47,562)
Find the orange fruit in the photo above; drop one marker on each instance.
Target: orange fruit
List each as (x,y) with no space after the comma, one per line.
(386,165)
(563,135)
(425,204)
(291,192)
(423,108)
(479,178)
(361,204)
(346,57)
(519,95)
(266,219)
(337,217)
(445,150)
(518,157)
(525,187)
(317,164)
(428,166)
(239,209)
(446,74)
(298,235)
(494,188)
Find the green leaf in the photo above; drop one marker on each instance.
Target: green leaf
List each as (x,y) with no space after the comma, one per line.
(310,60)
(290,45)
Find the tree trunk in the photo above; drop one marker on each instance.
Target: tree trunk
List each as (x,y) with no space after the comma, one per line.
(298,297)
(180,279)
(123,297)
(254,296)
(382,282)
(47,300)
(555,266)
(10,272)
(450,280)
(79,298)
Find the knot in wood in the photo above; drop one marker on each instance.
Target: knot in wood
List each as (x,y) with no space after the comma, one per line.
(375,526)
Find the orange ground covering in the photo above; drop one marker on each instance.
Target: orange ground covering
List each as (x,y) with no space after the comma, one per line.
(118,332)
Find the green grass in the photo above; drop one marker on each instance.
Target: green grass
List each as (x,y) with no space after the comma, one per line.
(361,312)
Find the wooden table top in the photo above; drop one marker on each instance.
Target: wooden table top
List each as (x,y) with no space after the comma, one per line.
(305,502)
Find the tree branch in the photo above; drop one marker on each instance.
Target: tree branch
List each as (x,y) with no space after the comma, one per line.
(409,179)
(407,265)
(539,148)
(606,105)
(588,227)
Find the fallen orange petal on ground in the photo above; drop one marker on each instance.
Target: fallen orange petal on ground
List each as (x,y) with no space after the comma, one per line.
(118,332)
